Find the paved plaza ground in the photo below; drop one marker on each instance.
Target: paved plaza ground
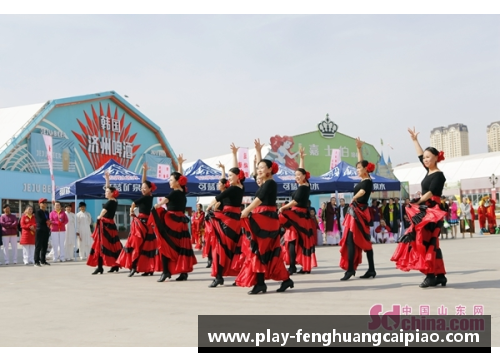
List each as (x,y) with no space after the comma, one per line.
(64,305)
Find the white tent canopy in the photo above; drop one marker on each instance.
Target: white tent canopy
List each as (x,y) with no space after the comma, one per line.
(456,169)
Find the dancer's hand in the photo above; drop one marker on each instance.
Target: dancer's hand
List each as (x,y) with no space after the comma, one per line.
(245,213)
(181,159)
(302,151)
(258,145)
(234,149)
(414,134)
(359,143)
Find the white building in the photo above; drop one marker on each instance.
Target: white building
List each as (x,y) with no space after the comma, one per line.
(453,140)
(465,176)
(493,133)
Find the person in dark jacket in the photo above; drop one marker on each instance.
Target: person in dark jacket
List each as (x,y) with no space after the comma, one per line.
(43,225)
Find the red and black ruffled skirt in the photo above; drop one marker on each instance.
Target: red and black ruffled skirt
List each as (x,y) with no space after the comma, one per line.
(262,229)
(107,244)
(357,227)
(173,240)
(297,222)
(418,248)
(141,246)
(226,231)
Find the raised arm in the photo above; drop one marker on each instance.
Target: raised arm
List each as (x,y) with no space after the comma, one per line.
(414,135)
(106,177)
(258,150)
(234,150)
(223,169)
(180,161)
(302,154)
(359,145)
(144,172)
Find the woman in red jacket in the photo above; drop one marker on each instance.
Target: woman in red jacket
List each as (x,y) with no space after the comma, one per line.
(28,227)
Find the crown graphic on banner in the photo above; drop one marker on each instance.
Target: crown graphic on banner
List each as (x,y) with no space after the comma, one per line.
(327,128)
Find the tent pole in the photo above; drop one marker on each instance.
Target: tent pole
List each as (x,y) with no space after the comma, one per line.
(401,214)
(76,236)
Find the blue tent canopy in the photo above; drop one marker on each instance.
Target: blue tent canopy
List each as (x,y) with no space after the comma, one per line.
(202,179)
(285,178)
(92,186)
(344,178)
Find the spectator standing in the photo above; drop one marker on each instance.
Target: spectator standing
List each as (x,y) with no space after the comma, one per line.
(42,233)
(28,230)
(59,220)
(341,214)
(83,231)
(9,234)
(70,238)
(392,216)
(466,217)
(453,217)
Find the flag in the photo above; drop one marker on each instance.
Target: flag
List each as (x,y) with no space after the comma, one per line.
(163,171)
(381,142)
(48,145)
(243,160)
(335,159)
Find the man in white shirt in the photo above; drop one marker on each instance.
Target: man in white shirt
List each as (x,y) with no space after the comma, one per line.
(83,232)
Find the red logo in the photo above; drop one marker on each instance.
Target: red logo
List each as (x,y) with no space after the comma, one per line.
(105,137)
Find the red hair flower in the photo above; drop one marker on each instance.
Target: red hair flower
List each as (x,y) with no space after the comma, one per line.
(241,175)
(274,168)
(115,194)
(308,175)
(227,184)
(183,180)
(370,167)
(153,187)
(440,156)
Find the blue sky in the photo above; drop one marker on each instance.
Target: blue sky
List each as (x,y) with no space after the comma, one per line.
(209,80)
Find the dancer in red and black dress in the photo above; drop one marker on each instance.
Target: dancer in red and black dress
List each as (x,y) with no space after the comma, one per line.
(222,185)
(107,245)
(419,246)
(356,236)
(171,230)
(262,228)
(296,219)
(140,251)
(226,225)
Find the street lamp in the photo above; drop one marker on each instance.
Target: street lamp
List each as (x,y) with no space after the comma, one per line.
(493,180)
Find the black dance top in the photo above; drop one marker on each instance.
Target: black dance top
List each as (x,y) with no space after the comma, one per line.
(177,201)
(267,193)
(110,208)
(366,185)
(433,182)
(301,196)
(144,203)
(232,196)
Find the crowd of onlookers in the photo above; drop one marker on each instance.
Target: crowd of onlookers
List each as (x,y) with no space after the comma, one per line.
(389,220)
(63,225)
